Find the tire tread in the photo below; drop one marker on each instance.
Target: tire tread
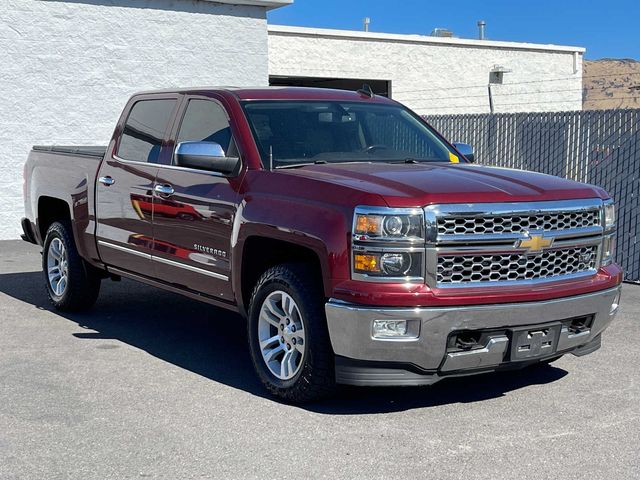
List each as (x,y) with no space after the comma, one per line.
(83,285)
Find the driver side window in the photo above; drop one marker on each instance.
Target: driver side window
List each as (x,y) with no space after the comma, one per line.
(206,121)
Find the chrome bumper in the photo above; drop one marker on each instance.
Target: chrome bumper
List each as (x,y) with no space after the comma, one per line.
(365,360)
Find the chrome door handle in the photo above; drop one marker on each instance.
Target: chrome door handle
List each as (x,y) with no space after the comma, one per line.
(164,190)
(107,181)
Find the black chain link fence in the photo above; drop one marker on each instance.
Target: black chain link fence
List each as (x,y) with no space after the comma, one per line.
(601,147)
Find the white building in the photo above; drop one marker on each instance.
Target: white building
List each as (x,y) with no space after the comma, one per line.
(68,67)
(432,75)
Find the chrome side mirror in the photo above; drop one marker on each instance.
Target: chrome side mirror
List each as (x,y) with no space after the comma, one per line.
(208,156)
(466,150)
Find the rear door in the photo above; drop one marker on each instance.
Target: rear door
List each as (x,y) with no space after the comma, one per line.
(193,223)
(124,199)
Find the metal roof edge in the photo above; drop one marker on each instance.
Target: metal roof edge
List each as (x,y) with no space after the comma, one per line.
(408,38)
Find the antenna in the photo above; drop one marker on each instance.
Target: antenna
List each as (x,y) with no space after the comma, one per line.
(270,158)
(366,91)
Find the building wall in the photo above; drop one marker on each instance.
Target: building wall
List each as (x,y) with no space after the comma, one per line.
(68,68)
(435,75)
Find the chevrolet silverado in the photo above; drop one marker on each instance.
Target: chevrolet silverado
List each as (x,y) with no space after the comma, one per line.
(360,245)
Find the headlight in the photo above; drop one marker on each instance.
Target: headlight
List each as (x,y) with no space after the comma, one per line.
(396,263)
(388,244)
(609,215)
(400,264)
(608,249)
(609,239)
(404,225)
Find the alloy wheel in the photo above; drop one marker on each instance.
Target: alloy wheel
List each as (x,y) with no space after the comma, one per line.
(57,267)
(281,334)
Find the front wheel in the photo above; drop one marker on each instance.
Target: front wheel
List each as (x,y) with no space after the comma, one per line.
(72,285)
(288,335)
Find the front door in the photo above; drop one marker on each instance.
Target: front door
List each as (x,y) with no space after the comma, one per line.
(195,209)
(124,199)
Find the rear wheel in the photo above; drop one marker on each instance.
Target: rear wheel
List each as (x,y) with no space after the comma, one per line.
(288,335)
(71,284)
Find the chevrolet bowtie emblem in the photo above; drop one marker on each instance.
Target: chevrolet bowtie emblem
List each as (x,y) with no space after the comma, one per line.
(535,243)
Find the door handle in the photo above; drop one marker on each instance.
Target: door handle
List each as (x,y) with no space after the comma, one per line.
(107,181)
(164,190)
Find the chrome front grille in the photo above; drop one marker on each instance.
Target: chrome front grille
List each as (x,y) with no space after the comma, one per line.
(516,266)
(478,245)
(505,223)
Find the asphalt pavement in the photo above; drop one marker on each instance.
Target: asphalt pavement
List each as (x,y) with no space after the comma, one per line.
(153,385)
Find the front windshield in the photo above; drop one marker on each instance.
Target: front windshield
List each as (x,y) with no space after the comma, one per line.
(295,133)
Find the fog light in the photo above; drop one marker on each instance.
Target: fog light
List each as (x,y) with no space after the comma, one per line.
(615,304)
(608,249)
(389,328)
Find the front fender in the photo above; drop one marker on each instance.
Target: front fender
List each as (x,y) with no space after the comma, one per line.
(318,227)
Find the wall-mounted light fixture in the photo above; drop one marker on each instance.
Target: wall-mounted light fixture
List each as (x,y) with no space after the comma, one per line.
(496,77)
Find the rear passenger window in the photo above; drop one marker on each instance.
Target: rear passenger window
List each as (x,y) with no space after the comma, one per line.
(143,132)
(205,121)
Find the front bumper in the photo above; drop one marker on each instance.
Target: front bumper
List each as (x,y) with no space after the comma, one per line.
(425,359)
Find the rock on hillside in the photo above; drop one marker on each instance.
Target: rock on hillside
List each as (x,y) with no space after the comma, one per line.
(611,83)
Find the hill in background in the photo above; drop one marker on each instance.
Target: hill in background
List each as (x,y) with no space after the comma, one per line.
(610,83)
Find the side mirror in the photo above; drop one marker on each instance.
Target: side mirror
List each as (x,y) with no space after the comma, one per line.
(466,150)
(205,156)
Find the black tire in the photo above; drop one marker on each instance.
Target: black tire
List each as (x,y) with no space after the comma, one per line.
(315,378)
(82,280)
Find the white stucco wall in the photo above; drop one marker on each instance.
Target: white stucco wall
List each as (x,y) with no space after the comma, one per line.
(435,75)
(68,68)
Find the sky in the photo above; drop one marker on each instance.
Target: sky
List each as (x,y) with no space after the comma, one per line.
(607,29)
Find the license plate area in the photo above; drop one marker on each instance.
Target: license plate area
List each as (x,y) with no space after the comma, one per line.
(532,342)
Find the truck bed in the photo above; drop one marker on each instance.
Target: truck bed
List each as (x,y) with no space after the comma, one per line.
(65,174)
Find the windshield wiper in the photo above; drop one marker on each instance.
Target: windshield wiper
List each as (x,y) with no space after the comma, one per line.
(414,160)
(296,165)
(406,160)
(320,162)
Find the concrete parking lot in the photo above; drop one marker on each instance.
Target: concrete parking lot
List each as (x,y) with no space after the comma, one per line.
(152,385)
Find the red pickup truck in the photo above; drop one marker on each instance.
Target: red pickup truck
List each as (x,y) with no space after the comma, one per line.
(361,246)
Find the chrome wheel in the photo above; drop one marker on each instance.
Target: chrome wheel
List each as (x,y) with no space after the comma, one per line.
(281,335)
(57,267)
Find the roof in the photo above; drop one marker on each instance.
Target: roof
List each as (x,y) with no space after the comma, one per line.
(415,39)
(268,4)
(302,93)
(278,93)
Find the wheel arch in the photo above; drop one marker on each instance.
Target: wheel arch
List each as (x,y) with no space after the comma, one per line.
(259,253)
(50,210)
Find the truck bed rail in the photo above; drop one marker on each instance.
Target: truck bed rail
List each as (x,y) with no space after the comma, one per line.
(89,151)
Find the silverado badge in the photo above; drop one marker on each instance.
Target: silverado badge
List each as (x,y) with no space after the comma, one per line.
(211,251)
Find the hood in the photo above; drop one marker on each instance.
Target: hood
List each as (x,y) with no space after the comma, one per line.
(404,185)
